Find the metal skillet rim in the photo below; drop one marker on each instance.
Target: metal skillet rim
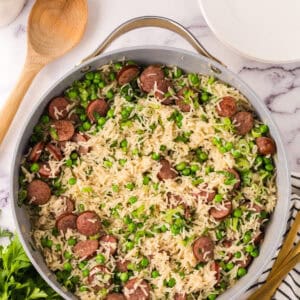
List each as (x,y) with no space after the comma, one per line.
(244,282)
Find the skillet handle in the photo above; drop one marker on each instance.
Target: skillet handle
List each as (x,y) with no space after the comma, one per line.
(152,21)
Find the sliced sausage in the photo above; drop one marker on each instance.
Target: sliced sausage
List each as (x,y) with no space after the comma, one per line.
(58,108)
(68,204)
(115,296)
(180,296)
(86,249)
(38,192)
(127,74)
(166,171)
(219,212)
(227,243)
(98,106)
(216,267)
(243,122)
(73,117)
(226,107)
(181,102)
(203,249)
(45,171)
(109,242)
(265,145)
(245,263)
(122,265)
(99,278)
(258,238)
(65,221)
(162,88)
(137,289)
(80,138)
(36,152)
(151,75)
(237,176)
(253,207)
(54,151)
(208,196)
(64,130)
(88,223)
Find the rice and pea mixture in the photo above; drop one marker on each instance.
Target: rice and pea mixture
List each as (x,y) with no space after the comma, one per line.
(148,183)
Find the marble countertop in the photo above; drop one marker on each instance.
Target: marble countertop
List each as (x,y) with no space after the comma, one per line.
(277,85)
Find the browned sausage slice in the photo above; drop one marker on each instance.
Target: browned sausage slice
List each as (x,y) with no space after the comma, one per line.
(88,223)
(122,265)
(36,152)
(151,75)
(137,289)
(38,192)
(109,242)
(45,170)
(237,176)
(86,249)
(219,212)
(166,171)
(243,122)
(54,151)
(162,88)
(226,107)
(63,130)
(98,106)
(65,221)
(208,196)
(181,102)
(58,108)
(180,296)
(99,277)
(67,203)
(245,263)
(80,138)
(203,249)
(115,296)
(216,267)
(265,145)
(127,73)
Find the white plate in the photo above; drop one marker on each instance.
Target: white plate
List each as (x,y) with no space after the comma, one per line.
(264,30)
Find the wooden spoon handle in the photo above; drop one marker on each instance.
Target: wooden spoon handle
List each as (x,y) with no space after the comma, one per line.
(11,106)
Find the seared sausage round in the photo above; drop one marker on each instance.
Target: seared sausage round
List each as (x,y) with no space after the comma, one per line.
(151,75)
(115,296)
(162,88)
(67,203)
(265,145)
(99,107)
(86,249)
(237,176)
(180,296)
(38,192)
(100,273)
(54,151)
(65,221)
(181,102)
(208,196)
(245,263)
(243,122)
(58,108)
(226,107)
(36,152)
(109,242)
(203,249)
(219,212)
(64,130)
(127,74)
(216,267)
(166,171)
(141,292)
(122,265)
(45,170)
(80,138)
(88,223)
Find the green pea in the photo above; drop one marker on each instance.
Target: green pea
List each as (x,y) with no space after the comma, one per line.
(181,166)
(130,186)
(218,198)
(211,80)
(129,245)
(124,144)
(255,133)
(204,96)
(263,128)
(110,94)
(247,237)
(72,94)
(72,181)
(197,181)
(238,254)
(269,167)
(101,84)
(118,65)
(241,272)
(194,79)
(254,253)
(67,267)
(186,172)
(85,272)
(229,266)
(236,153)
(177,73)
(107,164)
(162,147)
(89,75)
(71,241)
(211,297)
(132,199)
(101,121)
(83,288)
(222,149)
(249,248)
(82,264)
(110,113)
(228,146)
(163,228)
(226,121)
(237,213)
(45,119)
(68,255)
(171,282)
(203,156)
(34,167)
(146,180)
(194,168)
(124,277)
(74,155)
(100,258)
(219,234)
(131,227)
(144,262)
(112,76)
(46,242)
(155,156)
(122,161)
(86,125)
(155,274)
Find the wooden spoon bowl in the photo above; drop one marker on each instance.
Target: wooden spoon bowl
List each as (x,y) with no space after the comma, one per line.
(54,27)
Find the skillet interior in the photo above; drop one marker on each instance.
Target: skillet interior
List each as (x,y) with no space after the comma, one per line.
(189,62)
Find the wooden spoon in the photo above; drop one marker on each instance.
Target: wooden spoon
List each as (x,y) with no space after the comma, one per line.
(54,27)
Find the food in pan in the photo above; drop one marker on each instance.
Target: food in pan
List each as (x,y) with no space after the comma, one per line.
(148,183)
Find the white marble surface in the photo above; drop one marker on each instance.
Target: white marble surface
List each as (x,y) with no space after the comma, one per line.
(277,85)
